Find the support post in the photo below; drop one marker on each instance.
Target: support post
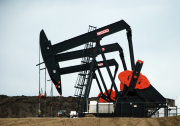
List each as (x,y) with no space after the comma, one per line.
(45,93)
(103,83)
(98,84)
(39,79)
(129,37)
(87,105)
(108,109)
(123,61)
(107,67)
(89,80)
(97,110)
(90,83)
(115,72)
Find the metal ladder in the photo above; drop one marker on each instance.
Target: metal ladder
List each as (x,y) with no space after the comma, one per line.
(83,76)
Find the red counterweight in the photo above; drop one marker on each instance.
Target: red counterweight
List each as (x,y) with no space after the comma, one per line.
(112,96)
(125,78)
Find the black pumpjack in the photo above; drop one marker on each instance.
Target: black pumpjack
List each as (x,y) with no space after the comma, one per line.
(130,102)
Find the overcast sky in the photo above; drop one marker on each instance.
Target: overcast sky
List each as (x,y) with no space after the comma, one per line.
(155,35)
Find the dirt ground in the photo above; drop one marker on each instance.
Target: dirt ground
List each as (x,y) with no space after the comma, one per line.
(90,121)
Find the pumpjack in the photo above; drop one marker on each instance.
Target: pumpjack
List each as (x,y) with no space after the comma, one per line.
(136,96)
